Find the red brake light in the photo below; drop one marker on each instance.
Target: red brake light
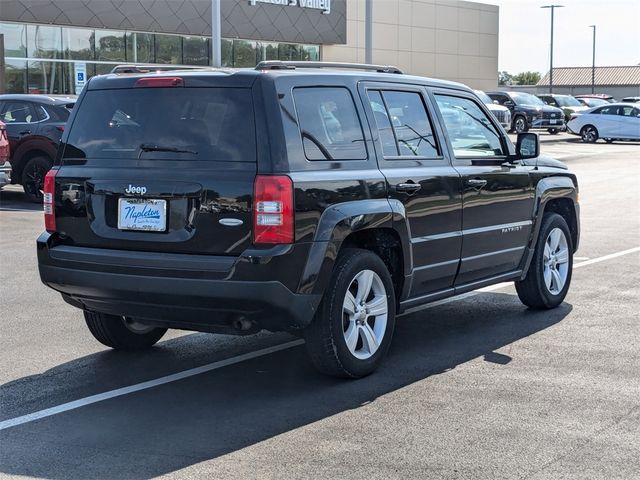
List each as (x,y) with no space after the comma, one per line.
(49,201)
(160,82)
(60,128)
(273,209)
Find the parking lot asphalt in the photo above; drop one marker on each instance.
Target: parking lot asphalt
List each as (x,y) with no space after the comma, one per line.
(477,387)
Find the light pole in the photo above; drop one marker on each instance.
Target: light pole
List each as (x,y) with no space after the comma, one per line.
(216,57)
(368,34)
(552,7)
(593,62)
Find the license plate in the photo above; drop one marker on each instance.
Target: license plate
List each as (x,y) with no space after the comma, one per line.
(553,122)
(146,214)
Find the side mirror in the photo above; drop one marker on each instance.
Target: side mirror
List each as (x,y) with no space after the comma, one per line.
(527,146)
(509,104)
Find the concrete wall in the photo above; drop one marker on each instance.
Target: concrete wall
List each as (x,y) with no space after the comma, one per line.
(448,39)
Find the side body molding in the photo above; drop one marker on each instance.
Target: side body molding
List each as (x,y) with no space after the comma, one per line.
(547,189)
(337,223)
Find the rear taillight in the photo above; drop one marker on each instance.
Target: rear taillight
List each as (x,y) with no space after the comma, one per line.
(273,209)
(49,201)
(60,128)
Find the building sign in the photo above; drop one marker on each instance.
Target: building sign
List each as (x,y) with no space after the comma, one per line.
(80,75)
(323,5)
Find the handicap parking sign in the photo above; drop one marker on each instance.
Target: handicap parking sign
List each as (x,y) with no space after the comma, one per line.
(81,76)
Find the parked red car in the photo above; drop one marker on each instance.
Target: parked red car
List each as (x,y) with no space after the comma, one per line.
(5,154)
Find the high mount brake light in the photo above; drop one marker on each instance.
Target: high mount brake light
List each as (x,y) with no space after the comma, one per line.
(273,209)
(160,82)
(48,200)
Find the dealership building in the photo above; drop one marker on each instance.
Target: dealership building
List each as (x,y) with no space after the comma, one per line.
(53,46)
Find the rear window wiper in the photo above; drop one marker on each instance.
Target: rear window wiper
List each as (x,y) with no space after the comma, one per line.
(147,147)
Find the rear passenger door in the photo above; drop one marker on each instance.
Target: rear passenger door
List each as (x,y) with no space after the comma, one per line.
(497,201)
(420,176)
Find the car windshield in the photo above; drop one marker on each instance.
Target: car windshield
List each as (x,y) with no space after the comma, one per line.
(568,101)
(594,102)
(483,96)
(525,99)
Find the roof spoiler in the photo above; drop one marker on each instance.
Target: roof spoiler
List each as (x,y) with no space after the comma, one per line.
(280,65)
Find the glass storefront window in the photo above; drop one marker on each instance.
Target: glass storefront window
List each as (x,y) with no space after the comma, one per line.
(140,47)
(244,53)
(195,50)
(168,49)
(15,39)
(78,43)
(267,51)
(15,76)
(46,77)
(44,41)
(310,53)
(290,52)
(226,51)
(110,46)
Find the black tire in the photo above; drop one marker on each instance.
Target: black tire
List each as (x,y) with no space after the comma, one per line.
(33,175)
(553,131)
(519,124)
(589,134)
(325,337)
(118,332)
(533,291)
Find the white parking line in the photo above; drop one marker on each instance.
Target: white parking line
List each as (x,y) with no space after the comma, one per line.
(65,407)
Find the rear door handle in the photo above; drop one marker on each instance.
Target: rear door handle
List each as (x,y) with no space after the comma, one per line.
(25,132)
(476,182)
(408,188)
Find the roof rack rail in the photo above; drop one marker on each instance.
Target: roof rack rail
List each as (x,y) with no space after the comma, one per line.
(280,65)
(147,68)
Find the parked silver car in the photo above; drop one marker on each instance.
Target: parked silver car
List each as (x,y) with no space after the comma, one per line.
(502,114)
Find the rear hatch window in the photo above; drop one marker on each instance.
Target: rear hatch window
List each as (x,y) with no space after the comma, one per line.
(213,124)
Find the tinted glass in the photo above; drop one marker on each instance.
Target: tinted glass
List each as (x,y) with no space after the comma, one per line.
(521,98)
(410,124)
(78,44)
(141,47)
(18,112)
(195,51)
(15,39)
(110,46)
(387,138)
(44,42)
(49,77)
(329,124)
(216,123)
(168,49)
(627,111)
(15,75)
(470,131)
(244,53)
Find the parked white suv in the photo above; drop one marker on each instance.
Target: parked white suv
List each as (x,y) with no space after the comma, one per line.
(502,114)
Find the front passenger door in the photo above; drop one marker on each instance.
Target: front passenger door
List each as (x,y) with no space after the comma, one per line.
(497,198)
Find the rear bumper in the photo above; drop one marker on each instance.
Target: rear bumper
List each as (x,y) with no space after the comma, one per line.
(205,293)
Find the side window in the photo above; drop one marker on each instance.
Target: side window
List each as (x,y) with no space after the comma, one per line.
(17,112)
(627,112)
(470,131)
(387,138)
(329,124)
(500,98)
(608,111)
(403,124)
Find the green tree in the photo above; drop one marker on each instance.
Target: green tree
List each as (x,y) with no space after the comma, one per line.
(526,78)
(504,78)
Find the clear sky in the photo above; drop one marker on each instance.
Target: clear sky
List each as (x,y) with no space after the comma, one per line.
(525,31)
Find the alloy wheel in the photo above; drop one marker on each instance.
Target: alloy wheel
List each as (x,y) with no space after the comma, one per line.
(364,314)
(555,261)
(589,134)
(520,125)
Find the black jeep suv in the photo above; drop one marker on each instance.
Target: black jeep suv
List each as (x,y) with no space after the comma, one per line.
(529,112)
(321,201)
